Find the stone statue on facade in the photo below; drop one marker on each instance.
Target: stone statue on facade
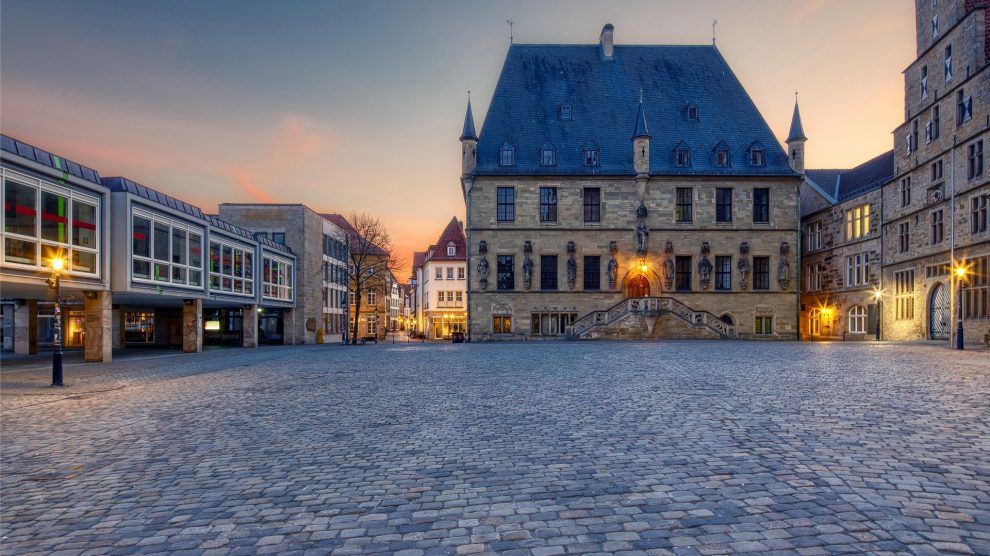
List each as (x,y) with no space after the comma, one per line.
(613,273)
(668,266)
(743,265)
(571,272)
(483,273)
(705,272)
(784,267)
(527,268)
(642,238)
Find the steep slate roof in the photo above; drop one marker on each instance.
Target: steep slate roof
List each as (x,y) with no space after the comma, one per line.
(353,238)
(537,79)
(419,257)
(46,158)
(453,233)
(845,184)
(468,131)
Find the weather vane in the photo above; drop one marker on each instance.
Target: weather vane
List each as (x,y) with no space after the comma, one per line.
(714,23)
(511,23)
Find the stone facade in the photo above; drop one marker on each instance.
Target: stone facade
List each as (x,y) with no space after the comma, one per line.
(620,200)
(947,124)
(837,301)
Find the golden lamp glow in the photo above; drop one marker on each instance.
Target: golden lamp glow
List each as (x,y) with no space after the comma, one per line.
(877,294)
(826,311)
(644,267)
(960,272)
(57,263)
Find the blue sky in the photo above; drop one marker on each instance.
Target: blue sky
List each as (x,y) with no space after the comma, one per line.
(358,105)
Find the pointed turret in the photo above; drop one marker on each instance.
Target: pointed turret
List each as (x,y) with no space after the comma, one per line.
(468,132)
(469,143)
(796,140)
(641,141)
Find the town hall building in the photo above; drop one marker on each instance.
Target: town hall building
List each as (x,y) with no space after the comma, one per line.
(628,192)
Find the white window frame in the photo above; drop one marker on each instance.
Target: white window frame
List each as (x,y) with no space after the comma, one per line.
(172,223)
(279,280)
(65,248)
(858,222)
(247,281)
(857,319)
(857,270)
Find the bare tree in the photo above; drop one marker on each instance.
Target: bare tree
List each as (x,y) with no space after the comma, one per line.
(373,263)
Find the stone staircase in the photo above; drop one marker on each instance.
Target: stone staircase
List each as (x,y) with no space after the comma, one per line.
(649,310)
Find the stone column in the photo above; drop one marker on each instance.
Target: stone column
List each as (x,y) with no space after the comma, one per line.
(192,325)
(99,326)
(26,327)
(249,326)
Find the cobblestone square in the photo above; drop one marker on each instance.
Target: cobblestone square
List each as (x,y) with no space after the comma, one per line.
(549,448)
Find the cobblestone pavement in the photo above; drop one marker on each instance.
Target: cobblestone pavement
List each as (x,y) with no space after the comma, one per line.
(673,448)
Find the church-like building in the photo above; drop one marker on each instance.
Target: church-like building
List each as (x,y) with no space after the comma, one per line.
(628,192)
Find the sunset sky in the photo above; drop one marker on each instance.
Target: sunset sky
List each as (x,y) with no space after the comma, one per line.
(358,105)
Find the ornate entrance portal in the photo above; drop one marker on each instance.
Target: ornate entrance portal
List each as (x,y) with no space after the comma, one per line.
(638,286)
(938,314)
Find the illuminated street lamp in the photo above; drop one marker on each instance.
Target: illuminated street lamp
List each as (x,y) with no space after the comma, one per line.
(960,273)
(54,284)
(878,297)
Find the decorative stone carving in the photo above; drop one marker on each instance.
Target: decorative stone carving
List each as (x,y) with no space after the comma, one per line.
(642,238)
(527,267)
(482,247)
(483,271)
(743,266)
(571,271)
(571,249)
(784,248)
(528,247)
(613,248)
(783,273)
(641,211)
(668,266)
(705,266)
(613,272)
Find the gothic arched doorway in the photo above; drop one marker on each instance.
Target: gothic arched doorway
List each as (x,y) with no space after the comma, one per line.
(938,313)
(638,286)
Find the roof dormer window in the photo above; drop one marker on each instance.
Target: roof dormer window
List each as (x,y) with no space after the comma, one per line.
(756,154)
(691,112)
(935,26)
(548,155)
(565,111)
(682,155)
(506,155)
(721,154)
(451,249)
(591,155)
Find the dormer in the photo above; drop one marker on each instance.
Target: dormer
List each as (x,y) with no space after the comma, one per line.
(566,112)
(548,154)
(721,155)
(451,249)
(682,155)
(757,154)
(506,155)
(590,153)
(605,41)
(691,112)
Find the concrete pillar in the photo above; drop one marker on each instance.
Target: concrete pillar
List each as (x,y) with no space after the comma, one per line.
(289,327)
(26,328)
(118,328)
(249,326)
(99,326)
(192,325)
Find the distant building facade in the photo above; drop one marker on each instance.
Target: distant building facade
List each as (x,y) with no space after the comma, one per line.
(321,250)
(627,192)
(441,284)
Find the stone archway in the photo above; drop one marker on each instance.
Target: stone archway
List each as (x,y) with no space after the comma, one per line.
(638,286)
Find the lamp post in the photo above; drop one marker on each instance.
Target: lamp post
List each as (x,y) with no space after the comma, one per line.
(54,285)
(878,296)
(960,273)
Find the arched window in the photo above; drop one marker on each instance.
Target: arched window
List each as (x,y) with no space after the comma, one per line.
(590,154)
(815,322)
(727,319)
(857,320)
(548,155)
(506,155)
